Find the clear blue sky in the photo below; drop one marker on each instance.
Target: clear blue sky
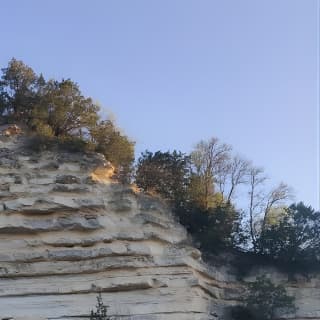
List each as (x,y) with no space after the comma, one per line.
(177,71)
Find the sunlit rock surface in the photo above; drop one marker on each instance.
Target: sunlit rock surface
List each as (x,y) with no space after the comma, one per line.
(67,232)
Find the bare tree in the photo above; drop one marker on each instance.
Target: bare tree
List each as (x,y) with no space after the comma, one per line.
(207,158)
(277,196)
(232,173)
(262,202)
(257,179)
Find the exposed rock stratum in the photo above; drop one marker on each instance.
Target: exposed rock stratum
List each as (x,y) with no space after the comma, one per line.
(68,232)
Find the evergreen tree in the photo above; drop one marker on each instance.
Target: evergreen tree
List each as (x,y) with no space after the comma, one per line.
(101,310)
(295,238)
(17,91)
(164,173)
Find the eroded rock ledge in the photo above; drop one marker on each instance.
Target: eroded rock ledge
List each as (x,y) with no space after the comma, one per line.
(67,232)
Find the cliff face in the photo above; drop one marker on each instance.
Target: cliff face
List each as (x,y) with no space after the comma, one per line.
(67,232)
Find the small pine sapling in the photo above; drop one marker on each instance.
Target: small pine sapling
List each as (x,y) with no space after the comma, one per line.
(101,310)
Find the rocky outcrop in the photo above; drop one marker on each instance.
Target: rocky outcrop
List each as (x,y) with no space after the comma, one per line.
(68,231)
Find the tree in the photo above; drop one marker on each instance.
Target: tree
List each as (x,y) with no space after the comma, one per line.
(232,172)
(60,115)
(265,300)
(256,179)
(295,238)
(207,158)
(218,228)
(166,173)
(277,196)
(261,203)
(116,147)
(64,109)
(215,229)
(17,90)
(201,195)
(101,310)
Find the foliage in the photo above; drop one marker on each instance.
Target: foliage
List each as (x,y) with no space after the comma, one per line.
(212,221)
(201,188)
(215,228)
(17,90)
(59,115)
(101,310)
(201,195)
(263,203)
(265,300)
(164,173)
(295,238)
(116,147)
(64,109)
(208,158)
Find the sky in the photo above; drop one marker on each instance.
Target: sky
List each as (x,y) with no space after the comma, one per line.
(174,72)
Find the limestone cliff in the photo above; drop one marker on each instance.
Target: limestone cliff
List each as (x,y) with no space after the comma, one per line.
(67,232)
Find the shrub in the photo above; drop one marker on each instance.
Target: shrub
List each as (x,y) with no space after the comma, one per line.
(265,300)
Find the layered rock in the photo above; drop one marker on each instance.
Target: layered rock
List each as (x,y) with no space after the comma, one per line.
(68,231)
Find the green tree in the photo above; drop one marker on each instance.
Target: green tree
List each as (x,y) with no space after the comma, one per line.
(116,147)
(295,237)
(215,228)
(64,109)
(17,91)
(265,300)
(61,115)
(165,173)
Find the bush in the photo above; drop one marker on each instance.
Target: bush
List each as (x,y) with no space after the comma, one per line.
(265,300)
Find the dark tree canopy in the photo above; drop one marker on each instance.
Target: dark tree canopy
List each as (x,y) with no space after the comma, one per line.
(295,237)
(265,300)
(215,228)
(164,173)
(18,86)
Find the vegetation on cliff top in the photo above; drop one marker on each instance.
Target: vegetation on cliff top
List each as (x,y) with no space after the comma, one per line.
(58,113)
(202,186)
